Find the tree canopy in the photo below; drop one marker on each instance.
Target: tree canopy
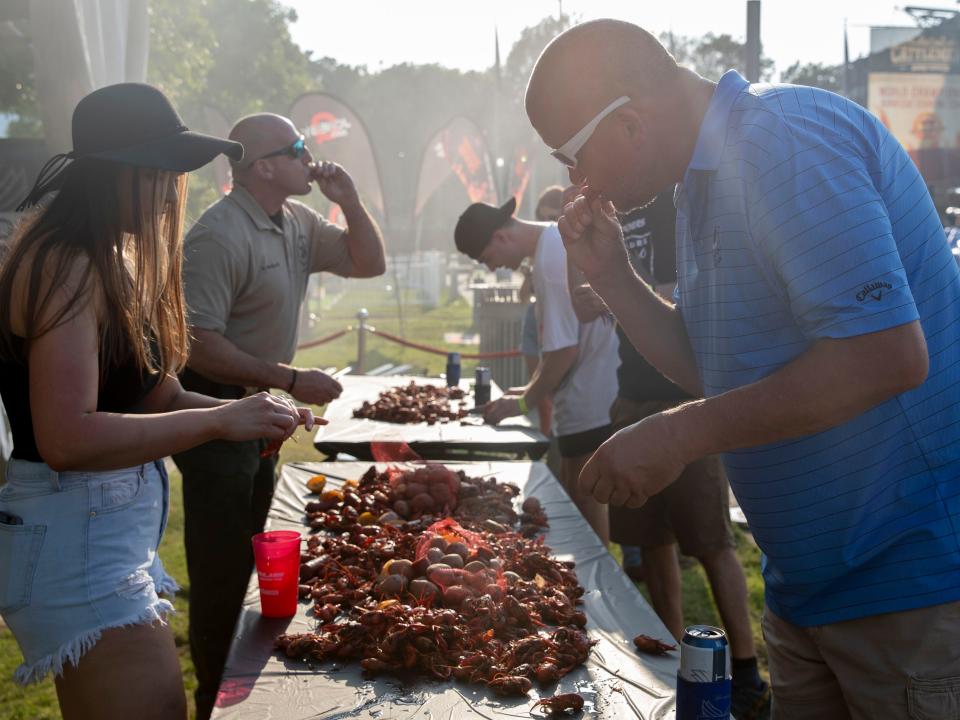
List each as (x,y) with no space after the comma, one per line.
(239,57)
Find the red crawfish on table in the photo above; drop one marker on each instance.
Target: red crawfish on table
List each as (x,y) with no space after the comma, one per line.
(402,592)
(652,646)
(414,404)
(568,703)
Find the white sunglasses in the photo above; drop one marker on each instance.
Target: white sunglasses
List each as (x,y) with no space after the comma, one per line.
(567,153)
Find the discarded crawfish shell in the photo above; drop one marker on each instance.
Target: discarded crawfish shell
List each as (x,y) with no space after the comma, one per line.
(391,586)
(459,548)
(423,590)
(453,560)
(531,506)
(422,503)
(316,484)
(402,508)
(399,567)
(434,555)
(475,566)
(454,596)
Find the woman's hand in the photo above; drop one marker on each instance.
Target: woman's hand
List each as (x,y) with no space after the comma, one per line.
(262,416)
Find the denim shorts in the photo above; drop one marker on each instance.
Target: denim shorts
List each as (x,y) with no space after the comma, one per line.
(83,561)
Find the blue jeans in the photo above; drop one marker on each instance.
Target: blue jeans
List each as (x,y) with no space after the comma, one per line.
(83,561)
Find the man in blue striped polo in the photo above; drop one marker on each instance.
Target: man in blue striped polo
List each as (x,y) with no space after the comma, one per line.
(816,317)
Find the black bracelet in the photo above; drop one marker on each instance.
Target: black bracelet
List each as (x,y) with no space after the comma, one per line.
(293,380)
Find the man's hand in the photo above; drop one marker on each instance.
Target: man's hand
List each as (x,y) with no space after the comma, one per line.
(505,407)
(636,463)
(587,305)
(334,182)
(315,387)
(593,237)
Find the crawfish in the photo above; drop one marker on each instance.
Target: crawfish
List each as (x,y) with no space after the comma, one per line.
(510,685)
(559,704)
(652,646)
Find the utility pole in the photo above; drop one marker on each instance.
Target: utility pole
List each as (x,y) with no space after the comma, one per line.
(753,41)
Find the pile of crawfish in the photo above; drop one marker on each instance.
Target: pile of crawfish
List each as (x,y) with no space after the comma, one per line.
(414,404)
(453,592)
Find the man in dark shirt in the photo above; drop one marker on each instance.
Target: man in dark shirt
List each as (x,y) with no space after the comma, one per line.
(694,511)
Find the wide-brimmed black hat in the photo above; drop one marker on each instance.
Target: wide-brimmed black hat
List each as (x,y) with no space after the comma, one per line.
(478,223)
(132,124)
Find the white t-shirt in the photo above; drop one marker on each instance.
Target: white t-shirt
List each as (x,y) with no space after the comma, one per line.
(582,400)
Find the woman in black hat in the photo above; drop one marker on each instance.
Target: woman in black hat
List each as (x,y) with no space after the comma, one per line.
(92,334)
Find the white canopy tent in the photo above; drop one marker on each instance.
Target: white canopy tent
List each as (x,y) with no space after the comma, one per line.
(79,46)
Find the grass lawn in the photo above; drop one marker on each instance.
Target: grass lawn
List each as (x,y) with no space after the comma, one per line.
(39,702)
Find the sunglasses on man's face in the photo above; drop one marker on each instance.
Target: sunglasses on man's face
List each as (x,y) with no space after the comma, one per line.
(567,153)
(295,150)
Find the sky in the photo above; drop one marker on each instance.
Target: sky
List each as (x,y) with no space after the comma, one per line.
(459,33)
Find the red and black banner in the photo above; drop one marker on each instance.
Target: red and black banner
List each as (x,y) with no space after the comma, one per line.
(334,132)
(458,149)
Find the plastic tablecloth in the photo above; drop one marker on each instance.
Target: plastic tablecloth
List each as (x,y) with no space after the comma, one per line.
(469,439)
(616,682)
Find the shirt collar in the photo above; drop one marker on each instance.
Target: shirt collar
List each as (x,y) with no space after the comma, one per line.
(713,129)
(245,200)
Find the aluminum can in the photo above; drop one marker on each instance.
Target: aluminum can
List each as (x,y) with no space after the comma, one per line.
(481,390)
(453,369)
(703,680)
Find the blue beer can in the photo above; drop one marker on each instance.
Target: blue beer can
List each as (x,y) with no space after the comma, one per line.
(453,369)
(703,680)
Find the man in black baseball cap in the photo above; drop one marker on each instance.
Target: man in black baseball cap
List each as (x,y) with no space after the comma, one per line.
(578,361)
(479,224)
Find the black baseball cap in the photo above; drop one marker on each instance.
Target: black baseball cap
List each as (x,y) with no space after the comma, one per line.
(478,223)
(131,124)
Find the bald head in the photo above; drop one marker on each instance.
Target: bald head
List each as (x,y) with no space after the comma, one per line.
(260,134)
(589,65)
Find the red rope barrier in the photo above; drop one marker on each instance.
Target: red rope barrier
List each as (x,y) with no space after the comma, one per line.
(438,351)
(409,344)
(323,340)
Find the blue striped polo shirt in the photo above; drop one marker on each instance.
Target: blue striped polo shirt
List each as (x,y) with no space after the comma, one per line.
(800,217)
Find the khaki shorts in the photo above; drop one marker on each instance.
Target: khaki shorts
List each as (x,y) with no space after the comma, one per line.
(897,666)
(693,511)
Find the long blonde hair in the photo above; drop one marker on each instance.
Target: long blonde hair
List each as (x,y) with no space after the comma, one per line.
(121,222)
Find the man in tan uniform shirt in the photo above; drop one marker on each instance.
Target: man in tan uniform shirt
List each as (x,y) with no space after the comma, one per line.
(247,262)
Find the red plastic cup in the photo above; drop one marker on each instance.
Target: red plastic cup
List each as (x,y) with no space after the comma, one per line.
(277,557)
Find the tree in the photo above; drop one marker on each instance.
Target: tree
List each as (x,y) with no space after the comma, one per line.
(828,77)
(712,55)
(17,85)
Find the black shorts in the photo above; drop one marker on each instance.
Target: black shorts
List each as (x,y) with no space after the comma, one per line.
(693,511)
(582,443)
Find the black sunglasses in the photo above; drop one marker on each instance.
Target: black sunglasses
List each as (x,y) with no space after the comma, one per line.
(295,150)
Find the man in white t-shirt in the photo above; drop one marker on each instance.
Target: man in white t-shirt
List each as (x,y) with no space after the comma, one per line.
(578,361)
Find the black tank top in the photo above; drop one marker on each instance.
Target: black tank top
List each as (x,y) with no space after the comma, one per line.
(123,389)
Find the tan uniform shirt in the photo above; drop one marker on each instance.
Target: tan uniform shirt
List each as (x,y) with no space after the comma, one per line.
(246,278)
